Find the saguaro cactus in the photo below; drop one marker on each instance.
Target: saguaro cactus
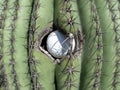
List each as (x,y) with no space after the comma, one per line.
(14,56)
(86,53)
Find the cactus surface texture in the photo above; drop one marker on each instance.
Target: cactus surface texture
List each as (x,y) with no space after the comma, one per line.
(59,44)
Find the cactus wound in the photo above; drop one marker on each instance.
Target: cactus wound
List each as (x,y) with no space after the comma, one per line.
(42,43)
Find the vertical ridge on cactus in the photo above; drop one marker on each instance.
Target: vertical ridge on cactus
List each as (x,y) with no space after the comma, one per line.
(12,28)
(92,52)
(66,19)
(31,44)
(66,15)
(68,71)
(108,12)
(68,74)
(22,22)
(115,16)
(3,78)
(15,53)
(41,67)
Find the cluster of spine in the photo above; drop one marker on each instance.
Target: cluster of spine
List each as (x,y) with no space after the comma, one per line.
(12,27)
(40,66)
(66,19)
(109,19)
(66,16)
(98,45)
(93,47)
(21,30)
(98,52)
(3,8)
(32,62)
(115,17)
(68,74)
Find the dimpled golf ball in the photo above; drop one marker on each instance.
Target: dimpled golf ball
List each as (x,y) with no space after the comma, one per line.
(58,44)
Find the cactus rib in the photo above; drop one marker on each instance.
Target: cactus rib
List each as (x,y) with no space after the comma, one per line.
(12,43)
(66,19)
(38,61)
(3,78)
(92,55)
(66,16)
(115,16)
(16,27)
(20,34)
(33,74)
(67,76)
(109,20)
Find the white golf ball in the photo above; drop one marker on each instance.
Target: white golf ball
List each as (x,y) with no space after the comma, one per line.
(58,44)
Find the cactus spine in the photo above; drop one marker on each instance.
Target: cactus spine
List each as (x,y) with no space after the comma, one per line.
(3,79)
(9,60)
(109,19)
(21,41)
(25,62)
(66,15)
(93,48)
(68,74)
(66,19)
(41,67)
(15,53)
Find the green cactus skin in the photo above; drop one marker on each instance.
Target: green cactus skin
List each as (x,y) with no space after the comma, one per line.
(110,21)
(68,74)
(66,15)
(93,48)
(3,9)
(15,42)
(21,42)
(8,47)
(69,69)
(41,67)
(115,16)
(66,18)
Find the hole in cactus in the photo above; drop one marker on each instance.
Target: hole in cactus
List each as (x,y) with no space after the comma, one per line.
(43,35)
(56,44)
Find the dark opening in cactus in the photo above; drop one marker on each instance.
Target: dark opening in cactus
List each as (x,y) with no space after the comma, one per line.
(59,44)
